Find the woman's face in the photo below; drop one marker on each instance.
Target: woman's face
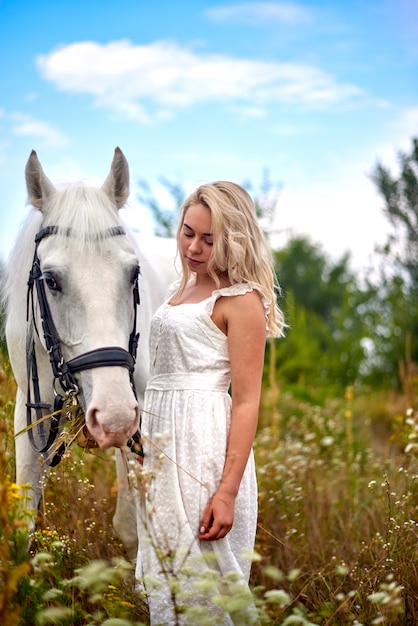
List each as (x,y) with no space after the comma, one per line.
(196,238)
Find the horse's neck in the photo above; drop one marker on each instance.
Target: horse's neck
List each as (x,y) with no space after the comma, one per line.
(157,257)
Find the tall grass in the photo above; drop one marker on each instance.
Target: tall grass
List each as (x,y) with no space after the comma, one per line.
(337,540)
(341,508)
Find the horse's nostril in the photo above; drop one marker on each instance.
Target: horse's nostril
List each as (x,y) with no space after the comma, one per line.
(111,424)
(92,422)
(85,439)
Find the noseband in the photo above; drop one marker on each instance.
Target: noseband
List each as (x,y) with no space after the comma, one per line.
(64,372)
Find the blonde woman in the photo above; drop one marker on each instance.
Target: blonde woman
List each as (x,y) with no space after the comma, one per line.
(202,401)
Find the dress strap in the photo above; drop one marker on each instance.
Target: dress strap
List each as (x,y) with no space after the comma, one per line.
(237,289)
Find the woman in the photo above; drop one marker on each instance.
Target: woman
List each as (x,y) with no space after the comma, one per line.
(199,505)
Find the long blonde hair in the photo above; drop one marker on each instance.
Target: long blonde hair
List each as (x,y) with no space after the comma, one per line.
(240,250)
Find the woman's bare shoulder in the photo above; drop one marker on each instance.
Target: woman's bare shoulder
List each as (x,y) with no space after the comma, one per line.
(242,310)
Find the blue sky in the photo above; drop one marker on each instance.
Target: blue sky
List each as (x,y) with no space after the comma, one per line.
(314,91)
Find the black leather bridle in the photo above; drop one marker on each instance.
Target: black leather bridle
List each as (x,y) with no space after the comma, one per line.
(64,372)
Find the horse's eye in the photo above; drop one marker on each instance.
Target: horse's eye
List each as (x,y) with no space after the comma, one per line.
(52,283)
(135,273)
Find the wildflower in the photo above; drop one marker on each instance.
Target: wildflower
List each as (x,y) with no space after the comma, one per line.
(342,570)
(293,575)
(252,556)
(278,596)
(128,605)
(13,492)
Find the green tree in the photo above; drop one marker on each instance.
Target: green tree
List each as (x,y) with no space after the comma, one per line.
(390,316)
(395,317)
(317,283)
(324,342)
(401,208)
(300,357)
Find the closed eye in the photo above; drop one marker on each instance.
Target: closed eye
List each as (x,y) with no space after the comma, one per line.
(189,234)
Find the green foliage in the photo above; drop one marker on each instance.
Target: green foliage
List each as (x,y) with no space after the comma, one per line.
(92,596)
(394,331)
(318,284)
(323,342)
(401,207)
(390,316)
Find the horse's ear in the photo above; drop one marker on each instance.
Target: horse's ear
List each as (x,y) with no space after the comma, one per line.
(38,185)
(116,184)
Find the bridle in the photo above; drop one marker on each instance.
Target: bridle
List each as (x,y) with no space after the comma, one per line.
(64,372)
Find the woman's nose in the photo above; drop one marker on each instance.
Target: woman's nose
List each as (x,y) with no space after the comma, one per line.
(194,245)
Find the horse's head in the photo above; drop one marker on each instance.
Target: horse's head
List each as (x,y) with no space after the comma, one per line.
(89,267)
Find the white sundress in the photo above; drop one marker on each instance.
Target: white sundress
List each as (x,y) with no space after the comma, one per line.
(185,425)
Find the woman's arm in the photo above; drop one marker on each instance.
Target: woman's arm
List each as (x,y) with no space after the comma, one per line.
(245,327)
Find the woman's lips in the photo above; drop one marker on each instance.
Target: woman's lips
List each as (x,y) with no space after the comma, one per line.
(193,262)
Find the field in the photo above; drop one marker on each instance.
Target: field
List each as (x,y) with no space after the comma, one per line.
(337,540)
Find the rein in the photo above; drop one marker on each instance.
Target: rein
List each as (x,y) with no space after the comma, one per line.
(64,372)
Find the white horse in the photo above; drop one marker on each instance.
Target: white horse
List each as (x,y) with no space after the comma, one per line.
(73,314)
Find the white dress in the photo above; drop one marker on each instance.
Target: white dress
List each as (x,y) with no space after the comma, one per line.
(185,425)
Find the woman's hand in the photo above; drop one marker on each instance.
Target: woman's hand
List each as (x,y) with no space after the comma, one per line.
(218,517)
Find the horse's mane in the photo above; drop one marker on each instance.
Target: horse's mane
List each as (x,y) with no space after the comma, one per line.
(86,212)
(21,254)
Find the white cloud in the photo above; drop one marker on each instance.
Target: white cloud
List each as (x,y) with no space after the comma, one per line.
(145,82)
(264,12)
(24,125)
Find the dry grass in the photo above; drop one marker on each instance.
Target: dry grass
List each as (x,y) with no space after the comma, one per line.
(338,522)
(342,508)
